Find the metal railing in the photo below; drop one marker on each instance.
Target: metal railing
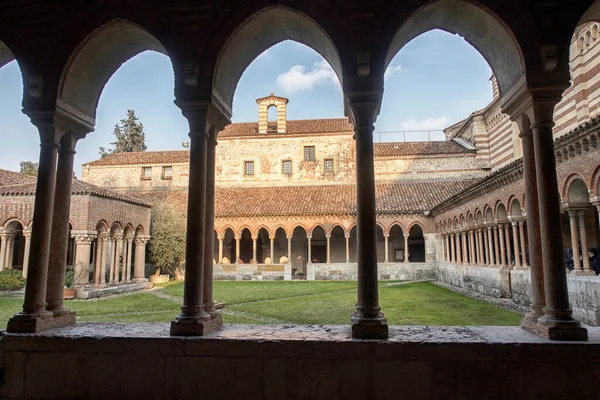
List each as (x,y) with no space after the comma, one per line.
(412,136)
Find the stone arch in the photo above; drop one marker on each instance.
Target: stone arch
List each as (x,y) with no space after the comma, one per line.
(244,227)
(337,243)
(595,181)
(576,191)
(116,227)
(280,227)
(317,225)
(488,213)
(280,245)
(416,243)
(229,245)
(470,219)
(318,244)
(267,27)
(245,236)
(263,244)
(299,251)
(501,213)
(479,217)
(338,226)
(300,225)
(486,33)
(266,228)
(139,230)
(225,227)
(129,229)
(392,224)
(417,223)
(14,254)
(102,226)
(11,222)
(102,51)
(396,243)
(515,209)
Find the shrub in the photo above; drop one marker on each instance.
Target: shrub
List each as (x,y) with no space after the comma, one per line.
(11,279)
(167,245)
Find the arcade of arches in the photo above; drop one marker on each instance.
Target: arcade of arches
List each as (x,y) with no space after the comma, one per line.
(529,46)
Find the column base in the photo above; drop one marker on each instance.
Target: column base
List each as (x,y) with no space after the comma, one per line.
(22,323)
(579,272)
(555,329)
(140,280)
(195,326)
(369,328)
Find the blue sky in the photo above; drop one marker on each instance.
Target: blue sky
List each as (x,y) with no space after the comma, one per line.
(433,82)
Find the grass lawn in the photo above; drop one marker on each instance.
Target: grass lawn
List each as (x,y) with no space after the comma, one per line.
(331,302)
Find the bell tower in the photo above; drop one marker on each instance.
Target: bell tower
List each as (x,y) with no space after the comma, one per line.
(264,103)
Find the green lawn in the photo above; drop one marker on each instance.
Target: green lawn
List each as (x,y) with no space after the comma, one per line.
(419,303)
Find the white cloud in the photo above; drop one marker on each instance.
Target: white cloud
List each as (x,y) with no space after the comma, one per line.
(298,79)
(426,124)
(391,70)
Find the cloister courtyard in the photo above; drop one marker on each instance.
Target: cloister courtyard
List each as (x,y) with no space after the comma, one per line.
(322,303)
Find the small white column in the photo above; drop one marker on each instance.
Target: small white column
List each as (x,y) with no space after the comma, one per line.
(587,270)
(272,252)
(10,248)
(501,236)
(100,267)
(83,244)
(220,238)
(387,252)
(347,248)
(328,237)
(523,247)
(289,238)
(490,243)
(237,249)
(496,245)
(406,248)
(481,247)
(254,260)
(3,241)
(27,237)
(308,237)
(516,241)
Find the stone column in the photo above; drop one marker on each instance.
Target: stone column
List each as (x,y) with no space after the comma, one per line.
(573,217)
(34,304)
(237,248)
(465,248)
(83,244)
(220,249)
(3,246)
(500,232)
(481,246)
(587,270)
(111,260)
(506,229)
(458,244)
(347,248)
(406,247)
(254,260)
(139,265)
(209,227)
(490,241)
(59,242)
(308,238)
(367,322)
(10,248)
(515,232)
(452,252)
(100,267)
(118,238)
(328,237)
(473,260)
(557,322)
(387,252)
(523,246)
(129,240)
(192,319)
(272,249)
(496,245)
(27,237)
(289,238)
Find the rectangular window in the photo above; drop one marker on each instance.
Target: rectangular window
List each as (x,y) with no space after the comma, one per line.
(328,166)
(309,153)
(286,166)
(146,173)
(249,168)
(167,173)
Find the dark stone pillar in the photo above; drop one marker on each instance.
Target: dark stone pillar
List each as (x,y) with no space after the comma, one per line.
(193,319)
(31,319)
(367,322)
(60,233)
(557,322)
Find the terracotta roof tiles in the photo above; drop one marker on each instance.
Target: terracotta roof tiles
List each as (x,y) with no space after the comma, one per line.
(392,198)
(301,127)
(144,158)
(418,149)
(14,178)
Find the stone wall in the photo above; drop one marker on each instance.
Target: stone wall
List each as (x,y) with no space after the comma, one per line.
(129,177)
(453,166)
(484,280)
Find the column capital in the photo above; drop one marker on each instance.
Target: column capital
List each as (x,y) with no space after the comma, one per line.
(129,237)
(386,235)
(103,236)
(141,239)
(27,233)
(5,235)
(309,237)
(117,236)
(327,237)
(347,235)
(289,237)
(406,236)
(271,237)
(83,238)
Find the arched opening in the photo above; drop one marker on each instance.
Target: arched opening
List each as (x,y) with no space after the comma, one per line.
(246,252)
(299,253)
(318,245)
(71,248)
(353,244)
(229,247)
(396,244)
(280,247)
(380,244)
(416,244)
(216,248)
(580,227)
(272,118)
(338,245)
(263,246)
(14,242)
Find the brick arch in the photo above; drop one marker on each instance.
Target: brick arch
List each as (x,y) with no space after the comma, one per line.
(224,228)
(569,181)
(315,226)
(139,230)
(128,228)
(334,226)
(595,181)
(301,226)
(509,204)
(102,226)
(118,225)
(416,223)
(390,226)
(379,224)
(262,226)
(280,227)
(486,210)
(11,220)
(241,229)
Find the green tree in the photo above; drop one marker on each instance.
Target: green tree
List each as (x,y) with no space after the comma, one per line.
(29,168)
(167,244)
(130,136)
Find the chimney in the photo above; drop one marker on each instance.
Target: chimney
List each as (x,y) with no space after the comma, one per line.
(264,103)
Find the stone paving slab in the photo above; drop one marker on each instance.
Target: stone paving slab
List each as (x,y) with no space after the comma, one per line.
(317,333)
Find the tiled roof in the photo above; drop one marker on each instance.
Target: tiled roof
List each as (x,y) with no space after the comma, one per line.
(78,188)
(145,157)
(418,149)
(300,127)
(14,178)
(392,198)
